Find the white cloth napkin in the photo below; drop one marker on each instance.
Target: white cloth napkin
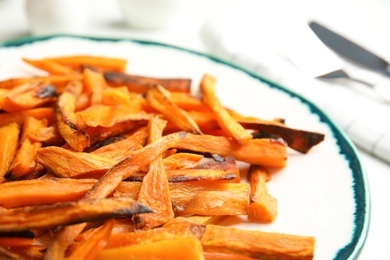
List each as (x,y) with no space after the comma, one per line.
(357,110)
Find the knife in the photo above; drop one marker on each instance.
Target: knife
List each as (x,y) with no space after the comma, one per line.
(350,50)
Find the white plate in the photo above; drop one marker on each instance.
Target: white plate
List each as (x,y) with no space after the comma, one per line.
(323,193)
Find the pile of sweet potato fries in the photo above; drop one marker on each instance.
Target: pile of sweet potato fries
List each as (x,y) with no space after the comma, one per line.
(97,163)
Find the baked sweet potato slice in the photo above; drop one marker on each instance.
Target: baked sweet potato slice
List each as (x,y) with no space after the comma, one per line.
(154,192)
(8,147)
(49,66)
(94,84)
(65,118)
(159,98)
(79,62)
(141,84)
(43,191)
(49,216)
(189,197)
(184,248)
(225,121)
(20,116)
(263,207)
(266,152)
(27,96)
(24,160)
(97,241)
(123,148)
(108,116)
(173,231)
(257,244)
(71,164)
(297,139)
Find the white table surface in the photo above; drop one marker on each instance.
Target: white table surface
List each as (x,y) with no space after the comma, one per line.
(365,21)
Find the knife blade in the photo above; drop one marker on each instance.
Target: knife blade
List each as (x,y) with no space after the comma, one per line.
(350,50)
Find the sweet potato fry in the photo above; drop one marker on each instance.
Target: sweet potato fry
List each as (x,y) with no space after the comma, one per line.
(297,139)
(115,96)
(24,160)
(159,98)
(108,116)
(141,84)
(184,175)
(20,116)
(8,147)
(78,62)
(43,191)
(90,248)
(188,197)
(27,96)
(65,118)
(181,161)
(266,152)
(184,248)
(99,133)
(224,256)
(94,83)
(173,231)
(70,164)
(225,121)
(48,216)
(154,192)
(262,206)
(57,80)
(123,148)
(49,66)
(257,244)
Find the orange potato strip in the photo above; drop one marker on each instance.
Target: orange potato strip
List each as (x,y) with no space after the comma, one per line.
(183,248)
(225,121)
(184,175)
(159,98)
(49,66)
(257,244)
(141,84)
(8,147)
(123,148)
(189,197)
(182,161)
(299,140)
(99,133)
(20,116)
(107,116)
(78,62)
(49,216)
(27,96)
(43,191)
(91,247)
(69,164)
(66,120)
(94,83)
(266,152)
(262,206)
(24,160)
(115,96)
(57,80)
(154,192)
(107,184)
(173,231)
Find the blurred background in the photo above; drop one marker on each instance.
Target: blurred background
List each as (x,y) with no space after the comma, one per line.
(365,21)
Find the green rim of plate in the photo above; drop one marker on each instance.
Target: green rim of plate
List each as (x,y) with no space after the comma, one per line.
(347,148)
